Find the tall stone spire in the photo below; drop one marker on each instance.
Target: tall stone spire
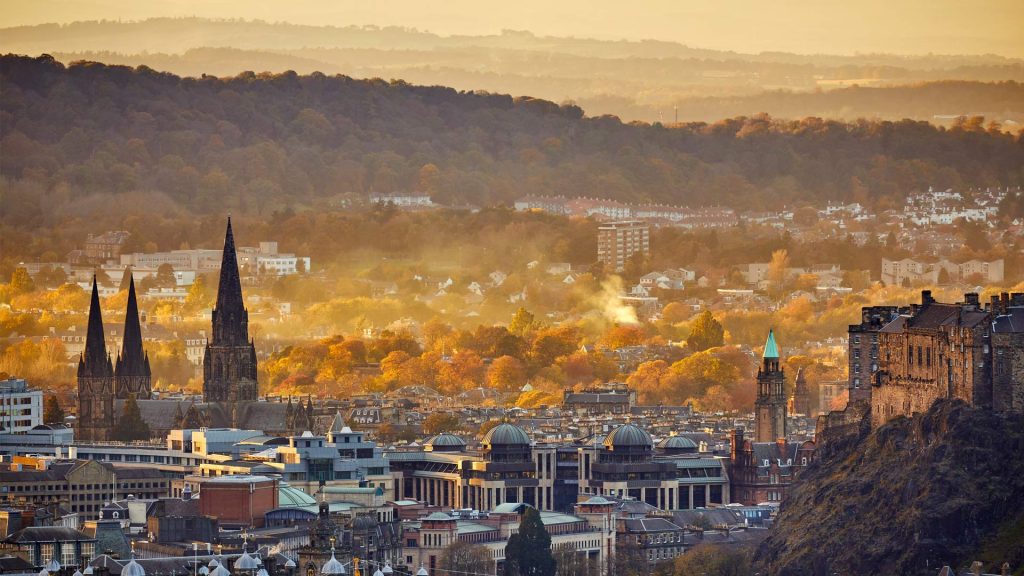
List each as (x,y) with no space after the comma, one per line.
(94,361)
(229,365)
(230,319)
(95,378)
(132,372)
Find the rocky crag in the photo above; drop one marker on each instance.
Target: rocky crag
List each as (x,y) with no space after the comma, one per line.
(943,488)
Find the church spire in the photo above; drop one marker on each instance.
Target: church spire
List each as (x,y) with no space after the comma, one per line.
(230,320)
(132,361)
(94,361)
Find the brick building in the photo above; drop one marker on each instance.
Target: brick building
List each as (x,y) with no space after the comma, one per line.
(961,350)
(238,500)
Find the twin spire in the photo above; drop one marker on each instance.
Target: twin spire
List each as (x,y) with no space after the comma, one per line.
(133,361)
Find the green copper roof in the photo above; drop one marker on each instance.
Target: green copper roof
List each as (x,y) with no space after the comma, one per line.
(771,349)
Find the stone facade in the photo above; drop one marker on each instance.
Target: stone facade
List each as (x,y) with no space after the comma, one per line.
(862,349)
(940,350)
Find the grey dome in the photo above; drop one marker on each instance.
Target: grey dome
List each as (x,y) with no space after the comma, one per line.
(445,442)
(364,522)
(628,435)
(332,566)
(678,443)
(505,434)
(133,569)
(246,562)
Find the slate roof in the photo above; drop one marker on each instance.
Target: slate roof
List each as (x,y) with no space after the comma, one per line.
(643,525)
(1012,321)
(160,414)
(47,534)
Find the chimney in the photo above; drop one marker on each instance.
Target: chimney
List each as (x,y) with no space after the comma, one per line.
(1017,299)
(926,297)
(737,442)
(971,299)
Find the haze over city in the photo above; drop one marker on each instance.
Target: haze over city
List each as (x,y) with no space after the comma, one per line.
(481,289)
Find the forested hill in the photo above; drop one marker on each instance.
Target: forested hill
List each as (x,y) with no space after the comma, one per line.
(256,143)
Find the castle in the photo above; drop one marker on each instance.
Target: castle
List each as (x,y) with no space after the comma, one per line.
(966,350)
(230,387)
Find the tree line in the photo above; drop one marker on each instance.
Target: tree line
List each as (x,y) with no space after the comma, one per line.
(86,138)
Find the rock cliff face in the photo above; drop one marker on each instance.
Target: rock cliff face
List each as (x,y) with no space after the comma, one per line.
(946,487)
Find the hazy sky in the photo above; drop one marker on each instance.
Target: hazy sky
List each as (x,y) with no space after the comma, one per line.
(818,26)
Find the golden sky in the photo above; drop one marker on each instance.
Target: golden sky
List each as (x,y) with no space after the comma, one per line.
(804,26)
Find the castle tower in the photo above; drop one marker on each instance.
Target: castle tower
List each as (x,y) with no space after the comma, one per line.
(95,378)
(132,375)
(770,406)
(229,364)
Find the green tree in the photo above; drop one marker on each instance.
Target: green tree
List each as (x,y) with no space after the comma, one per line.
(53,413)
(528,552)
(705,332)
(465,558)
(523,322)
(21,282)
(165,276)
(131,426)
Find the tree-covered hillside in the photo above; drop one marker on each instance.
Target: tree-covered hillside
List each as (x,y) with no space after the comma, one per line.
(259,143)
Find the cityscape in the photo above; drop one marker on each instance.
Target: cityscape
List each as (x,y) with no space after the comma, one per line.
(306,321)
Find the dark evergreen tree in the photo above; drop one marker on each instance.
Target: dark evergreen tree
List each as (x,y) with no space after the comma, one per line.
(131,426)
(53,413)
(528,552)
(706,332)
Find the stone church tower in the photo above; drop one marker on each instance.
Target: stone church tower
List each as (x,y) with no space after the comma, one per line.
(770,406)
(100,381)
(801,395)
(95,379)
(229,364)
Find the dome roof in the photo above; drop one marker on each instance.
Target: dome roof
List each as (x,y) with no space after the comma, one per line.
(332,566)
(289,497)
(598,501)
(506,434)
(133,569)
(364,522)
(678,443)
(220,570)
(445,440)
(628,435)
(246,562)
(290,563)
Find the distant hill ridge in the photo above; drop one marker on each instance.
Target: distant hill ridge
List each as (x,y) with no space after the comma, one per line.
(263,141)
(636,80)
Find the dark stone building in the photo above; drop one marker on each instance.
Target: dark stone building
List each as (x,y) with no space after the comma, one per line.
(101,382)
(862,349)
(763,471)
(770,406)
(962,350)
(229,365)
